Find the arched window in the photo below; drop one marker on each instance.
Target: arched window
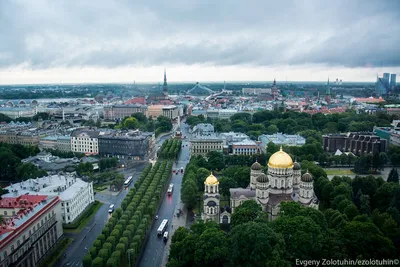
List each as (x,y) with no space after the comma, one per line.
(276,183)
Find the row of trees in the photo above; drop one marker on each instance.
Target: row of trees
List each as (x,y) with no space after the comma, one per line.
(139,121)
(271,122)
(123,236)
(36,117)
(170,149)
(11,166)
(65,154)
(107,163)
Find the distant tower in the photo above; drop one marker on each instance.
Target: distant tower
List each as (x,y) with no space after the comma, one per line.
(328,93)
(63,114)
(392,81)
(165,86)
(386,77)
(274,90)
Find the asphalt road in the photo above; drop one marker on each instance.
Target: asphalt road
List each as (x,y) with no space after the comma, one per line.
(84,240)
(155,246)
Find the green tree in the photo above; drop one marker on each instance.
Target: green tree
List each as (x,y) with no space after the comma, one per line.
(255,243)
(27,171)
(302,237)
(87,260)
(131,123)
(363,240)
(225,183)
(247,212)
(393,176)
(212,248)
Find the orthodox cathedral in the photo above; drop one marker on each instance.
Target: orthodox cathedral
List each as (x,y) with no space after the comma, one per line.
(283,182)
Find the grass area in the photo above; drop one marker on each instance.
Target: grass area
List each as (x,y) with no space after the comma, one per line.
(56,253)
(99,188)
(339,172)
(83,219)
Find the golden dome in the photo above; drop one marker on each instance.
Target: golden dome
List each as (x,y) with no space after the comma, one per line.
(280,159)
(211,180)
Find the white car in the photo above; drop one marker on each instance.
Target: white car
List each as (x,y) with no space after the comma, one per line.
(111,208)
(166,236)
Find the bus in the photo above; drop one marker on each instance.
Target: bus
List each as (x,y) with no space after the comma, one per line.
(170,189)
(128,181)
(163,227)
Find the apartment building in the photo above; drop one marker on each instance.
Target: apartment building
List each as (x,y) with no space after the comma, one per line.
(31,228)
(85,141)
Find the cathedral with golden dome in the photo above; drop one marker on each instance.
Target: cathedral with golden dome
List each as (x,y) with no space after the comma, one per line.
(283,182)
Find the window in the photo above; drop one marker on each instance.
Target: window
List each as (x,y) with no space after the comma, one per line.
(5,213)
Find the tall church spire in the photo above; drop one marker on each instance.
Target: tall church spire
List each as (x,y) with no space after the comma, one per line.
(328,89)
(165,86)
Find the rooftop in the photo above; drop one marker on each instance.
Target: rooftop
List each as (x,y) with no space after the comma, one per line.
(66,187)
(35,204)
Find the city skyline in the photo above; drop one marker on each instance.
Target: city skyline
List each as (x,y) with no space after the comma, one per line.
(107,41)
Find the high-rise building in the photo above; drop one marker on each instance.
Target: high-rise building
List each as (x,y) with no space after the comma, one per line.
(165,86)
(392,80)
(386,77)
(380,88)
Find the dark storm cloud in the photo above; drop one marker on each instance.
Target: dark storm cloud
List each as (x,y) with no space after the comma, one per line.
(45,34)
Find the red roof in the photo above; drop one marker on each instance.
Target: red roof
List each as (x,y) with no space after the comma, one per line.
(136,100)
(23,201)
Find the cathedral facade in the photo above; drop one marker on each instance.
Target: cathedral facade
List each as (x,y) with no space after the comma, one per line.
(283,182)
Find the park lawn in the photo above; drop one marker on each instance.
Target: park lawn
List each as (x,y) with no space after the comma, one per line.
(56,253)
(99,188)
(83,219)
(339,172)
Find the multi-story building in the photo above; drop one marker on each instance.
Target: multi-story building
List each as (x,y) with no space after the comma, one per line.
(64,143)
(203,129)
(171,112)
(31,228)
(74,193)
(201,145)
(256,91)
(121,111)
(392,81)
(154,111)
(391,134)
(48,142)
(357,143)
(17,112)
(85,141)
(20,137)
(386,81)
(281,139)
(126,145)
(246,147)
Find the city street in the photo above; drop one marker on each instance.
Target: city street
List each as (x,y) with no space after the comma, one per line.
(155,246)
(84,240)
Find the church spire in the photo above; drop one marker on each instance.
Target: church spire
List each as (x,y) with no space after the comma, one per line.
(328,89)
(165,85)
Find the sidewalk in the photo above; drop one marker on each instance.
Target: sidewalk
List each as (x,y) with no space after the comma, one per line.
(176,223)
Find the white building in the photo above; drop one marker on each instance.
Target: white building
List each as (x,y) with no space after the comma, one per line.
(32,226)
(85,141)
(203,129)
(246,147)
(256,91)
(74,193)
(171,112)
(201,145)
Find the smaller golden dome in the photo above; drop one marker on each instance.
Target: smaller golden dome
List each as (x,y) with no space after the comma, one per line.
(211,180)
(280,159)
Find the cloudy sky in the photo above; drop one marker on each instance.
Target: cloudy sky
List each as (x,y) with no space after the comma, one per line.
(70,41)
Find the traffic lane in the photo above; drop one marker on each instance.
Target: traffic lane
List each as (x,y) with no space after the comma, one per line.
(155,246)
(84,240)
